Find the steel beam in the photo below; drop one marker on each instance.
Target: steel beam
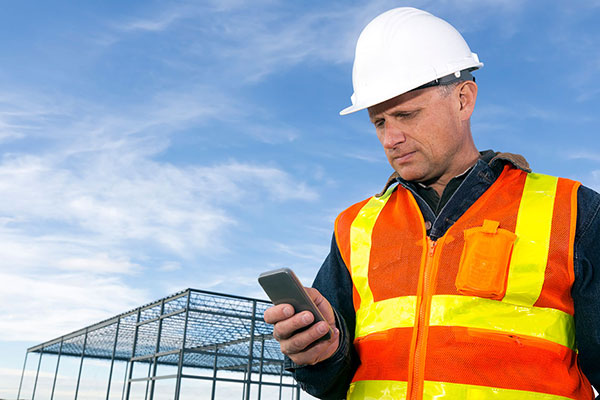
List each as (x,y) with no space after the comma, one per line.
(22,375)
(112,359)
(37,374)
(56,372)
(81,364)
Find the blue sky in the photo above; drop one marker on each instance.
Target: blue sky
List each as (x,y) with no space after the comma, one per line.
(147,146)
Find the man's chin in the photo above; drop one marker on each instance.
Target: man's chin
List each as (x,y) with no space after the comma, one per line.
(409,175)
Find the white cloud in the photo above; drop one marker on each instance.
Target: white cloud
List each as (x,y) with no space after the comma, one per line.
(52,305)
(157,24)
(84,217)
(583,155)
(248,42)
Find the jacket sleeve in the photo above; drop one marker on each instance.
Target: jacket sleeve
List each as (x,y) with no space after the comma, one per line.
(586,288)
(330,378)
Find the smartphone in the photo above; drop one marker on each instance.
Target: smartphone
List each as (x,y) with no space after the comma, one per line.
(283,287)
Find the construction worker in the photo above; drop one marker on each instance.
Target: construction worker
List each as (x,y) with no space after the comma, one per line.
(468,276)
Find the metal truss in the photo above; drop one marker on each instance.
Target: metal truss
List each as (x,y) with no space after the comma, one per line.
(189,331)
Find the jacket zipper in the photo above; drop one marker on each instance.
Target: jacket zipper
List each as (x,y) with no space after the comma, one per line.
(422,323)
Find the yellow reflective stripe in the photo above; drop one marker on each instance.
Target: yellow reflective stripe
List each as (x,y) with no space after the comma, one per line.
(452,391)
(470,312)
(530,253)
(361,231)
(395,390)
(398,312)
(377,390)
(476,312)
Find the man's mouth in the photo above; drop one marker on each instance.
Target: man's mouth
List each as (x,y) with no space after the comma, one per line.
(403,157)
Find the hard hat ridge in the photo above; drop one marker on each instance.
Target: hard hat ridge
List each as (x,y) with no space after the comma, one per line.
(401,50)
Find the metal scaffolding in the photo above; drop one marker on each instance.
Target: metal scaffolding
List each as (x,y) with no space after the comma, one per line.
(207,344)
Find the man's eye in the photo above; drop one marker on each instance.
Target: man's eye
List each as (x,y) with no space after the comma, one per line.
(405,115)
(379,123)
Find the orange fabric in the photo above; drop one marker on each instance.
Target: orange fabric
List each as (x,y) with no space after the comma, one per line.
(483,267)
(396,250)
(572,231)
(556,292)
(402,265)
(418,350)
(454,354)
(497,204)
(379,360)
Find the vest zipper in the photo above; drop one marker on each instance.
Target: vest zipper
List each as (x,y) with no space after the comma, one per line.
(416,378)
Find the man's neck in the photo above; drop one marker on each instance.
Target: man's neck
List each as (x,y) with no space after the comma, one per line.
(440,184)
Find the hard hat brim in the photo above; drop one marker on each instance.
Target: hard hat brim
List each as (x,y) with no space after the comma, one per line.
(465,74)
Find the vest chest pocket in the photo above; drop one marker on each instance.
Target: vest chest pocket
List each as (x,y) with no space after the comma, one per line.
(483,269)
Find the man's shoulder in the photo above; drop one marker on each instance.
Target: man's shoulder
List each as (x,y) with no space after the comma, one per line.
(588,205)
(502,158)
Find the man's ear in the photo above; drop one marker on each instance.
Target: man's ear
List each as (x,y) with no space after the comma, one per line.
(467,95)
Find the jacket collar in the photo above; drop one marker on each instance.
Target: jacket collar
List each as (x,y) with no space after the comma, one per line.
(498,160)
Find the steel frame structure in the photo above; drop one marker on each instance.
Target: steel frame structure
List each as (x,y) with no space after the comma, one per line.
(189,331)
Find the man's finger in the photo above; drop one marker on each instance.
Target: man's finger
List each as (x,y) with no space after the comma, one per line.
(317,352)
(287,327)
(300,341)
(278,313)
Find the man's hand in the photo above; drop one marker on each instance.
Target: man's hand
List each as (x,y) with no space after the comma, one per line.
(296,347)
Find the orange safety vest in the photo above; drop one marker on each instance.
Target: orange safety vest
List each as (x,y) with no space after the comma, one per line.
(484,312)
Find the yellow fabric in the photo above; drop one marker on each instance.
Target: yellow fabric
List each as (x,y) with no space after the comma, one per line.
(360,242)
(470,312)
(530,253)
(476,312)
(397,312)
(454,391)
(377,390)
(395,390)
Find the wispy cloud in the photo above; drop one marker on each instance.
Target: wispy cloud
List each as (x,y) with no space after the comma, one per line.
(76,213)
(156,24)
(52,305)
(250,42)
(583,155)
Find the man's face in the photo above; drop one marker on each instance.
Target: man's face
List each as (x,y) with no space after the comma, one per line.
(423,135)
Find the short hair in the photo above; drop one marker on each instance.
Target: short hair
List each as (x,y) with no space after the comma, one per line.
(446,90)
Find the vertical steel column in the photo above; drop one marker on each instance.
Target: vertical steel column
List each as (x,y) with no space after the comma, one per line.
(182,350)
(262,361)
(245,387)
(37,373)
(148,380)
(135,337)
(62,339)
(280,380)
(124,381)
(251,351)
(297,392)
(214,384)
(112,359)
(81,363)
(157,348)
(22,375)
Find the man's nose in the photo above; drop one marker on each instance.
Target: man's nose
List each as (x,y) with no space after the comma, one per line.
(393,135)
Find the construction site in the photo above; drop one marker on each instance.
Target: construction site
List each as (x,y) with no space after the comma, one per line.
(191,345)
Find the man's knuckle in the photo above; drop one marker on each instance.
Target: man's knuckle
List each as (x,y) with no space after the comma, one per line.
(297,343)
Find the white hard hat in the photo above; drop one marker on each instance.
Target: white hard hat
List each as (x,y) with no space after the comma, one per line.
(403,49)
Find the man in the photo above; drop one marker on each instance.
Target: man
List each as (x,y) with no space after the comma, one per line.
(468,276)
